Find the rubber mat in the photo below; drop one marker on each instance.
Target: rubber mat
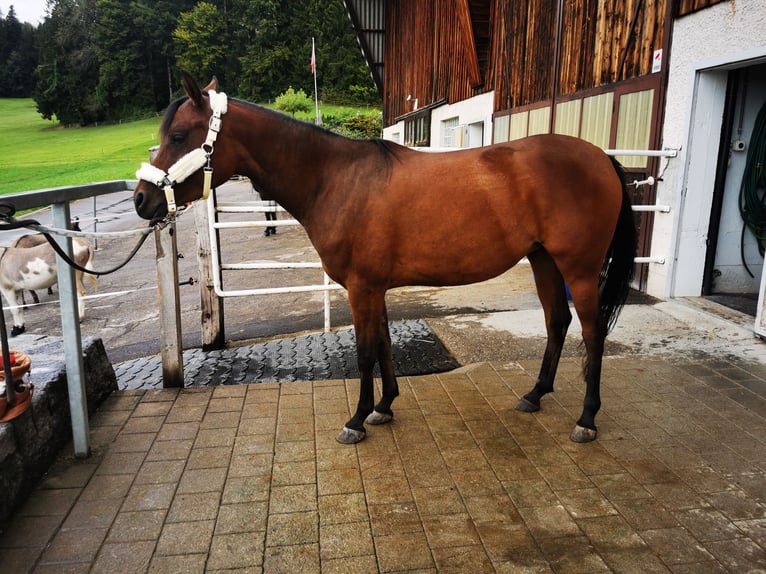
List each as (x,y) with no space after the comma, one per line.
(416,351)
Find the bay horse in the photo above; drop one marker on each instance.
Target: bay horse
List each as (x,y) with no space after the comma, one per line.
(381,216)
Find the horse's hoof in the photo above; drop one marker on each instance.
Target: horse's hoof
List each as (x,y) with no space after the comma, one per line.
(350,436)
(582,434)
(377,418)
(526,406)
(17,330)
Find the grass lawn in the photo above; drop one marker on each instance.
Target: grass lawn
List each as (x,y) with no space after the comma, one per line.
(38,154)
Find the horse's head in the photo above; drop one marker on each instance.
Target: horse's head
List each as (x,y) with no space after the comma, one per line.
(188,132)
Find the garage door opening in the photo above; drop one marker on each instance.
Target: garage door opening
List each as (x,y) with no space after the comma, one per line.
(736,237)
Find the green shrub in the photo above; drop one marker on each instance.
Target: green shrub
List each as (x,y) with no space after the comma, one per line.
(355,95)
(293,102)
(360,126)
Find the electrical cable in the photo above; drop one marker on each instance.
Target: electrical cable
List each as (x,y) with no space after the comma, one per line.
(752,191)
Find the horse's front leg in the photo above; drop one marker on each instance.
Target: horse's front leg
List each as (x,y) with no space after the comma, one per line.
(383,413)
(368,310)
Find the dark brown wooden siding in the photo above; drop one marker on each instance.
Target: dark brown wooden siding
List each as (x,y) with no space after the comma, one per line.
(431,54)
(601,42)
(684,7)
(450,50)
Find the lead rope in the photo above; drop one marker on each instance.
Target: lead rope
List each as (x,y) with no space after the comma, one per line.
(6,214)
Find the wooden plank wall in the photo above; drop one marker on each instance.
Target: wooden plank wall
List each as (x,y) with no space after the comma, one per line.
(684,7)
(453,49)
(602,42)
(430,54)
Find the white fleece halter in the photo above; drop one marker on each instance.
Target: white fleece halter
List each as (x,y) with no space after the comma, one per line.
(192,161)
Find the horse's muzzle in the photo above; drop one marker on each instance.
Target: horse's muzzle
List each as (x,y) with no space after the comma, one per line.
(149,201)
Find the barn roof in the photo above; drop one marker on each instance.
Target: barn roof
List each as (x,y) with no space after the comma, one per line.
(369,20)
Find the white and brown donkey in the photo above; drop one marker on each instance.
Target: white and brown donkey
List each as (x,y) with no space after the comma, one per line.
(30,263)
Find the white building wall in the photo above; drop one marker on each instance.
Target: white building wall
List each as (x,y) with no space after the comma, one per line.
(394,132)
(471,111)
(705,45)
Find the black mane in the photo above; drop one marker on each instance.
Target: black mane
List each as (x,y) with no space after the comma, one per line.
(170,114)
(290,119)
(388,148)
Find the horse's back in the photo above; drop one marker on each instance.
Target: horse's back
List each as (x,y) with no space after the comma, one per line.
(475,213)
(541,171)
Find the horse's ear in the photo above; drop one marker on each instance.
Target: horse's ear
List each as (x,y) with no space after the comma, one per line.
(191,88)
(213,85)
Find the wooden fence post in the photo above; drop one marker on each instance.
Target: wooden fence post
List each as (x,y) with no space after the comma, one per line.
(213,337)
(170,307)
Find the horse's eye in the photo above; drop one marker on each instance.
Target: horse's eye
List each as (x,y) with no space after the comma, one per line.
(177,138)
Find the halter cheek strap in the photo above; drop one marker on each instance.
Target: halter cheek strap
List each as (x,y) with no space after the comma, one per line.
(191,162)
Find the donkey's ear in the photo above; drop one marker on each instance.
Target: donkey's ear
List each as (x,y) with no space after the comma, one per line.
(213,85)
(191,88)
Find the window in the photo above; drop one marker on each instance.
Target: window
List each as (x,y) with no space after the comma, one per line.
(597,119)
(417,129)
(451,132)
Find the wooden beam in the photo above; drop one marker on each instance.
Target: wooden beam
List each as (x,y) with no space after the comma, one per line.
(469,43)
(170,308)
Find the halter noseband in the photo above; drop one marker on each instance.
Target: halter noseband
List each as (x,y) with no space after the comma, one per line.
(190,163)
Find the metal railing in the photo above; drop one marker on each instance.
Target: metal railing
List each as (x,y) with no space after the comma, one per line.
(59,199)
(658,208)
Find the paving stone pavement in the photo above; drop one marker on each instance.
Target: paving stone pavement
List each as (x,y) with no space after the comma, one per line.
(249,478)
(225,477)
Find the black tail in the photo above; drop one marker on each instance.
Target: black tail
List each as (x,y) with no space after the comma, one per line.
(617,272)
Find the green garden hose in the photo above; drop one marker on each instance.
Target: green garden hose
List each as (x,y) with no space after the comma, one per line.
(752,191)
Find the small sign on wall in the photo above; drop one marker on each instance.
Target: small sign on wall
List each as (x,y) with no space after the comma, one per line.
(657,61)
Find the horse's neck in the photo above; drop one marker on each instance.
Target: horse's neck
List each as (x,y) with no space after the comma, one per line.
(288,161)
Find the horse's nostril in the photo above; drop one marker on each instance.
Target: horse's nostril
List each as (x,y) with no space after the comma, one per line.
(138,199)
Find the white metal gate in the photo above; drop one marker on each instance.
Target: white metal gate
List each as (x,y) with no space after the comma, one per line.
(214,226)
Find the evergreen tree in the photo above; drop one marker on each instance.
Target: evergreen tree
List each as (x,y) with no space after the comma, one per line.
(113,59)
(18,57)
(264,56)
(67,73)
(342,73)
(122,90)
(199,42)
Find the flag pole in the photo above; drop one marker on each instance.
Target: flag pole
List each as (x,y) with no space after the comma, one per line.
(318,118)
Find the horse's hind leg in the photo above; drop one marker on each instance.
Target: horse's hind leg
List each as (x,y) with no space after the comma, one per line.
(368,310)
(594,330)
(383,413)
(552,293)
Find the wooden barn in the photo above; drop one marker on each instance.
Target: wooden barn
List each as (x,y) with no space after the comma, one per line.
(684,76)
